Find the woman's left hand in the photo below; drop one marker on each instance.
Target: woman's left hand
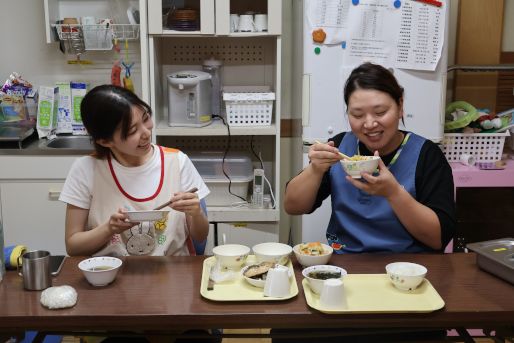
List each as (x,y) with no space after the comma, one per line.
(189,203)
(384,184)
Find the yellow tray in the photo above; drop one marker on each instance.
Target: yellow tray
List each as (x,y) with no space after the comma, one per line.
(238,289)
(374,293)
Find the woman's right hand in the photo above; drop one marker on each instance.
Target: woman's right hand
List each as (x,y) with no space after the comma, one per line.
(118,222)
(322,156)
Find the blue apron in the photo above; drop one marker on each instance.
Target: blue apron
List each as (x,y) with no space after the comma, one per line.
(361,222)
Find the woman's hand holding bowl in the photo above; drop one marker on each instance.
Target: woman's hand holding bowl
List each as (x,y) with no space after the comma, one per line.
(383,184)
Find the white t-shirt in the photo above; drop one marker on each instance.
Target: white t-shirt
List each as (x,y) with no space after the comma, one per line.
(139,182)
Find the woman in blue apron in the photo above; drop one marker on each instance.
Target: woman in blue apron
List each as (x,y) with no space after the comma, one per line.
(407,206)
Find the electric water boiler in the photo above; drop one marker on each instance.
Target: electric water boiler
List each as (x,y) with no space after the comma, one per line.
(189,98)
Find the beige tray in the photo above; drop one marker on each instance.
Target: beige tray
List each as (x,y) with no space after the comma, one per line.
(239,289)
(374,293)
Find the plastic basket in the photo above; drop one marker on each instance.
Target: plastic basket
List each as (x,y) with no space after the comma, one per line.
(484,147)
(249,108)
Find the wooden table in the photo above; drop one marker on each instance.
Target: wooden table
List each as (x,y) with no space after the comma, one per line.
(161,294)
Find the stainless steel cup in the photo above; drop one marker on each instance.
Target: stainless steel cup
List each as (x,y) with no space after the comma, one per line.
(35,269)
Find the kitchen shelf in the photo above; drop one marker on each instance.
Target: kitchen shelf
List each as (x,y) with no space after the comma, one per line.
(217,128)
(235,214)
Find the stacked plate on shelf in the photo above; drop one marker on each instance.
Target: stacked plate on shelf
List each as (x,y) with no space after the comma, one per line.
(185,19)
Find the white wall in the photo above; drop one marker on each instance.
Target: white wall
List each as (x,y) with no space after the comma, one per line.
(24,50)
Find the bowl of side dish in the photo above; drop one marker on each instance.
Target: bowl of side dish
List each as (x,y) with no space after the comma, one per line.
(312,253)
(359,163)
(101,270)
(316,275)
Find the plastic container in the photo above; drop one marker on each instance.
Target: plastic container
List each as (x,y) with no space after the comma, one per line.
(237,166)
(484,147)
(248,105)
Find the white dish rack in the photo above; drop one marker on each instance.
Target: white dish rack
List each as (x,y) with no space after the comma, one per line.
(484,147)
(79,38)
(246,107)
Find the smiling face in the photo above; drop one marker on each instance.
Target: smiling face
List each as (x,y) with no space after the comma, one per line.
(136,148)
(374,117)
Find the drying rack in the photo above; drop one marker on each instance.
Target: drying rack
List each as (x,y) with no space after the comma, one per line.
(80,38)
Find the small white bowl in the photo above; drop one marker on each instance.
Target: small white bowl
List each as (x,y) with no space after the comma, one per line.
(316,285)
(147,216)
(354,168)
(313,260)
(272,252)
(100,271)
(231,256)
(254,282)
(405,275)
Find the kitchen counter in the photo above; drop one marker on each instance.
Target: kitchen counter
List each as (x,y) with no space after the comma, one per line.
(32,146)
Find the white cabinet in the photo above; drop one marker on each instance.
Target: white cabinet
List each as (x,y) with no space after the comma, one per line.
(33,216)
(30,210)
(249,59)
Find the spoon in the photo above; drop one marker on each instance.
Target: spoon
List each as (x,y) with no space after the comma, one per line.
(192,190)
(340,153)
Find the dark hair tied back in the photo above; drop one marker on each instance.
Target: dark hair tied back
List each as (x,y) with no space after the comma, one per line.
(374,77)
(104,109)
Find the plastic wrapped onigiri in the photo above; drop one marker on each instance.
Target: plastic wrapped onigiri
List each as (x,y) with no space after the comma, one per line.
(59,297)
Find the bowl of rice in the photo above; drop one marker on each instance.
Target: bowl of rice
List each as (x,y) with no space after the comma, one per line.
(358,164)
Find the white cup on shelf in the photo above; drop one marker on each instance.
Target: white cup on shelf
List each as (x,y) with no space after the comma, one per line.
(467,160)
(246,23)
(234,22)
(261,22)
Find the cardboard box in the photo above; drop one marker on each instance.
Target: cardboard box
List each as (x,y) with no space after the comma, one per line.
(48,104)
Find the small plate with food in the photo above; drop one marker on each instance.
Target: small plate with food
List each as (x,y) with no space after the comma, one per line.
(256,274)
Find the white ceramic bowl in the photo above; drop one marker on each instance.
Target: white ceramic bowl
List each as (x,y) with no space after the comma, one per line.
(147,216)
(272,252)
(100,271)
(405,275)
(354,168)
(310,260)
(315,284)
(231,256)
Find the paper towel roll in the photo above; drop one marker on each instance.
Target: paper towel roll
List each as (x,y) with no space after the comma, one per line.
(467,160)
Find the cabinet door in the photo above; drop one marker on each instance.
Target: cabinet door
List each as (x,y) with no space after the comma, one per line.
(33,216)
(157,15)
(248,234)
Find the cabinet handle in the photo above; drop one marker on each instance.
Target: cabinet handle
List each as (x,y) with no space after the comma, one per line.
(54,195)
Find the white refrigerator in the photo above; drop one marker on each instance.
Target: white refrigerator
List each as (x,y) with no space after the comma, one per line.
(320,71)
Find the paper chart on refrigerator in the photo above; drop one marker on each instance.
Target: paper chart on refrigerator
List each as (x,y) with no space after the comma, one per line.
(402,34)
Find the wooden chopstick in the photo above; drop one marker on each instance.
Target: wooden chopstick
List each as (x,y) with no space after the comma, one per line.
(340,153)
(192,190)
